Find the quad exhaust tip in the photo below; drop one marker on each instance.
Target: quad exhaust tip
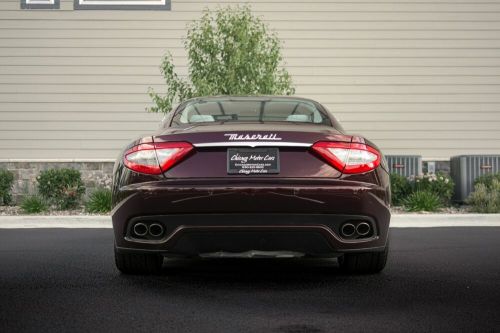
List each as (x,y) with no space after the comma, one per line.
(360,229)
(156,230)
(363,229)
(140,229)
(347,229)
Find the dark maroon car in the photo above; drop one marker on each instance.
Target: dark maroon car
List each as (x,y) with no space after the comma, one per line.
(251,177)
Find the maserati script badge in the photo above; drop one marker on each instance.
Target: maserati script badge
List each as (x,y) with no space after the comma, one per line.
(253,137)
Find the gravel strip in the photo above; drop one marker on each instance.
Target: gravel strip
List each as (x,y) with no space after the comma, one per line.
(16,210)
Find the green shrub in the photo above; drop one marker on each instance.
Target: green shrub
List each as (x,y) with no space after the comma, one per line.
(34,204)
(400,188)
(62,188)
(439,184)
(487,179)
(99,201)
(422,201)
(230,52)
(486,196)
(6,181)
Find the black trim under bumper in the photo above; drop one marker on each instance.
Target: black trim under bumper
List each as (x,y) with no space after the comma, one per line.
(194,234)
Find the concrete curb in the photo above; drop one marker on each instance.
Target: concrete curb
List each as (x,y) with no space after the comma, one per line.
(397,221)
(444,220)
(71,222)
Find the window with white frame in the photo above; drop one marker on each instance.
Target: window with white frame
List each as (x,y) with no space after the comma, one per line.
(40,4)
(123,4)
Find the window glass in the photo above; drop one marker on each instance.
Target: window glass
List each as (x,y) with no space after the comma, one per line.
(122,4)
(250,110)
(40,4)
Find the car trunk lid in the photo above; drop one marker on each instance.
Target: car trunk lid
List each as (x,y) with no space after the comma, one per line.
(289,143)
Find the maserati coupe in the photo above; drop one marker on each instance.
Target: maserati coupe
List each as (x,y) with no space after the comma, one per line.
(251,177)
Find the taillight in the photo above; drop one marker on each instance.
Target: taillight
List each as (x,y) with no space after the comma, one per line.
(155,158)
(348,157)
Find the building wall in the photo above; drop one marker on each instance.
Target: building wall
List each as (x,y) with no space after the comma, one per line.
(417,77)
(94,174)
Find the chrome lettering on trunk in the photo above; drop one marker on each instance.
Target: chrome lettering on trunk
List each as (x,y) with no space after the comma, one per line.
(253,137)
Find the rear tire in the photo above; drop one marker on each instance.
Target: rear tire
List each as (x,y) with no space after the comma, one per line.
(138,263)
(364,262)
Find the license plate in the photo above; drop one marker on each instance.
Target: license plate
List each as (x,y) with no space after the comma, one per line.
(253,161)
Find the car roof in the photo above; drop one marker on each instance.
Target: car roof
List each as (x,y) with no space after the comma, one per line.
(257,98)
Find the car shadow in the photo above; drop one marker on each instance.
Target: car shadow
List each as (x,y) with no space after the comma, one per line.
(275,274)
(251,269)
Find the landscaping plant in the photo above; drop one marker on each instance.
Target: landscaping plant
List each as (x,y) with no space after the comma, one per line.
(440,184)
(487,179)
(62,188)
(34,204)
(422,201)
(6,181)
(486,195)
(400,188)
(99,201)
(419,193)
(230,52)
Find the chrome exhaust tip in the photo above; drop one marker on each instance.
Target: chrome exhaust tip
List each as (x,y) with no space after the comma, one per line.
(347,229)
(156,230)
(140,229)
(363,229)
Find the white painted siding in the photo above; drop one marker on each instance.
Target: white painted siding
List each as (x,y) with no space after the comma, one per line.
(416,77)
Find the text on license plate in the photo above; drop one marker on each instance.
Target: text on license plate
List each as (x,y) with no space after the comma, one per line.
(253,161)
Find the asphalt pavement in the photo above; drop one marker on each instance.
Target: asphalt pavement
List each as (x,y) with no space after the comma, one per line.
(437,279)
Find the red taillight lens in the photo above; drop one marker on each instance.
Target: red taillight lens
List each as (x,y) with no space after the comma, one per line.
(348,157)
(155,158)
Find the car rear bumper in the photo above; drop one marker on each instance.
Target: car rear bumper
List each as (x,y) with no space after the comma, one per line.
(205,219)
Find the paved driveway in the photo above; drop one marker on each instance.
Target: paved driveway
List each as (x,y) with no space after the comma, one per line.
(438,279)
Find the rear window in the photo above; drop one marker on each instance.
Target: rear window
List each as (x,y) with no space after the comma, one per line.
(250,110)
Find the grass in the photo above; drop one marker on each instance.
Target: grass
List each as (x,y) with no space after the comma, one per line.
(99,201)
(34,204)
(421,201)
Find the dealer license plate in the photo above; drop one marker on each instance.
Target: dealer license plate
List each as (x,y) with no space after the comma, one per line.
(249,161)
